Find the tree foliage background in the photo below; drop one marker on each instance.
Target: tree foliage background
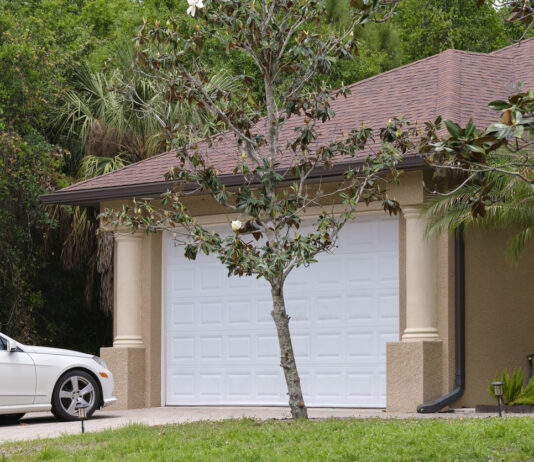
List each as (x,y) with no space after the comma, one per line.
(61,62)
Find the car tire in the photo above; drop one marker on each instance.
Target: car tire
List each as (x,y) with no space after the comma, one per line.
(10,418)
(73,387)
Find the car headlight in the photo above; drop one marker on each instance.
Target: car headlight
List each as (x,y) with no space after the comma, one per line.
(100,361)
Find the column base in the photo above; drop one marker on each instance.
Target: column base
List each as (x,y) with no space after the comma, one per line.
(128,341)
(420,333)
(127,364)
(413,375)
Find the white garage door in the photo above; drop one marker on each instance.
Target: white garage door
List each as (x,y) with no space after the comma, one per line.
(221,344)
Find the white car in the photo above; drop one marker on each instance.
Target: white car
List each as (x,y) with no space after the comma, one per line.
(36,378)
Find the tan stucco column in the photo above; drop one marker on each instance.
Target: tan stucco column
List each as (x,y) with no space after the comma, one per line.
(126,359)
(421,314)
(414,364)
(128,297)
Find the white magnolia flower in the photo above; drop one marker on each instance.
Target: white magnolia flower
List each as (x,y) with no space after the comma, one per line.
(236,226)
(193,5)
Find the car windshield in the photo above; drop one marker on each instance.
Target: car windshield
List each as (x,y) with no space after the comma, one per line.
(2,343)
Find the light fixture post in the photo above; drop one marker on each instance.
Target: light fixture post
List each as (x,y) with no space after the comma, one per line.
(81,408)
(498,392)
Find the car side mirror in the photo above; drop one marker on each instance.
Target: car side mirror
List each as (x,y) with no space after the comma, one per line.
(11,345)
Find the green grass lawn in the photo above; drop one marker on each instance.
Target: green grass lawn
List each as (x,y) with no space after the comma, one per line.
(490,439)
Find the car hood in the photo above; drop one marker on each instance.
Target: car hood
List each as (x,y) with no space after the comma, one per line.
(54,351)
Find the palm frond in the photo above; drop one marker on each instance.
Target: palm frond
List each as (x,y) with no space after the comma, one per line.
(93,166)
(510,205)
(519,243)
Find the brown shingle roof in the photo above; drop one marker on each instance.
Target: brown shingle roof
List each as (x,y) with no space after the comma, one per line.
(455,84)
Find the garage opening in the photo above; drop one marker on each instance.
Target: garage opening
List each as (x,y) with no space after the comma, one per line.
(220,344)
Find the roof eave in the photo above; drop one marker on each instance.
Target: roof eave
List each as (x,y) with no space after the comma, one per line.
(93,197)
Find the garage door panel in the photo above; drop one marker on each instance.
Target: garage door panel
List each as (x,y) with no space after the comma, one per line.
(181,314)
(239,313)
(323,380)
(267,346)
(386,236)
(263,306)
(181,280)
(388,271)
(360,346)
(362,275)
(210,385)
(222,346)
(269,387)
(182,349)
(327,346)
(387,307)
(328,309)
(211,347)
(211,312)
(240,347)
(361,385)
(209,277)
(302,346)
(358,311)
(327,275)
(298,308)
(183,386)
(239,385)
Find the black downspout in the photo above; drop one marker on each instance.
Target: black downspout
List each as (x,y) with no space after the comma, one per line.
(459,329)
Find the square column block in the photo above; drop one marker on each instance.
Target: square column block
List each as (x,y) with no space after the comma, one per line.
(414,374)
(128,368)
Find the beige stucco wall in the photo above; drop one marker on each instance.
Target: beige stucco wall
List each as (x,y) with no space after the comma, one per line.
(152,318)
(408,192)
(500,331)
(499,311)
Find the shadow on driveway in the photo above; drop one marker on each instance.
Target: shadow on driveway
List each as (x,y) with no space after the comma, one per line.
(48,418)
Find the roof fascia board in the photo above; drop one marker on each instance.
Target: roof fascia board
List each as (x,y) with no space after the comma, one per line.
(92,197)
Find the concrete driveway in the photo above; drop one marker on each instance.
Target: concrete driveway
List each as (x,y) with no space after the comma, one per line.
(44,425)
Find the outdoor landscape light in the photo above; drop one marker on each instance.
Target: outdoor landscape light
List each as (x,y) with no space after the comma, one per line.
(81,408)
(497,391)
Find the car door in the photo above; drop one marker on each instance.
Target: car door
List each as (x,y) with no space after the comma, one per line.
(17,377)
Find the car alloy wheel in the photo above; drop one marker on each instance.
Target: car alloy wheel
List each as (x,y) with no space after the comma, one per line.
(72,388)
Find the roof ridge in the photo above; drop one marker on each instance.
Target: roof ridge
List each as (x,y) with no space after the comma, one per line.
(428,58)
(404,66)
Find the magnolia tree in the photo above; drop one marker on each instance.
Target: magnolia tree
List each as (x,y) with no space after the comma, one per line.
(291,48)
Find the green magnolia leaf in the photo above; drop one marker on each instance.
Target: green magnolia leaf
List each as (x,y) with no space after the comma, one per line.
(191,252)
(470,129)
(494,127)
(519,130)
(475,148)
(499,105)
(453,128)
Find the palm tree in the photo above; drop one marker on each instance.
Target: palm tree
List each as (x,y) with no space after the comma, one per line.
(110,119)
(508,200)
(115,118)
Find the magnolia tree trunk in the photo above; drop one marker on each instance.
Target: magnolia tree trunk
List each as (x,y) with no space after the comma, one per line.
(287,357)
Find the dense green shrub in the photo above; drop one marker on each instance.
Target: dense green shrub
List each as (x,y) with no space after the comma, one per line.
(513,391)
